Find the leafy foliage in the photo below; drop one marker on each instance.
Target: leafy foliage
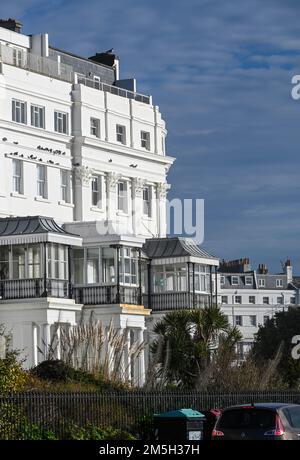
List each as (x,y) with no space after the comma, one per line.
(278,333)
(12,377)
(92,432)
(186,343)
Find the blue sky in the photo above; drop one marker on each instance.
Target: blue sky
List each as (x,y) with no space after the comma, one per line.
(221,74)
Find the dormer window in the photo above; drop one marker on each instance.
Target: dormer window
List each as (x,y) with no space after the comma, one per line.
(234,280)
(261,282)
(248,281)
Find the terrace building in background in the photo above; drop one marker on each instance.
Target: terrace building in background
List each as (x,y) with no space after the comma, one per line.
(250,297)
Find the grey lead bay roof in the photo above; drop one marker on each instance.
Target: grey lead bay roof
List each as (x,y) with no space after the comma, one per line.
(157,248)
(10,226)
(34,229)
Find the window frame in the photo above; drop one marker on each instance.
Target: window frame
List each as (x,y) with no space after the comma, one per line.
(19,111)
(18,178)
(146,140)
(121,134)
(96,127)
(40,114)
(234,277)
(122,197)
(61,122)
(42,182)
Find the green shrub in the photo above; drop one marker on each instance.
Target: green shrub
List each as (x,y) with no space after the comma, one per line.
(54,371)
(12,377)
(36,433)
(94,433)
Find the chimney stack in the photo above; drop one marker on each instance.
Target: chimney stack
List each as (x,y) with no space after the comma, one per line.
(11,24)
(288,270)
(262,269)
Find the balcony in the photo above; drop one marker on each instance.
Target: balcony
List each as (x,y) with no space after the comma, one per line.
(169,301)
(33,288)
(114,90)
(34,63)
(107,295)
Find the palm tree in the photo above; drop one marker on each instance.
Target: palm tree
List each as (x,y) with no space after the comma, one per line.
(186,341)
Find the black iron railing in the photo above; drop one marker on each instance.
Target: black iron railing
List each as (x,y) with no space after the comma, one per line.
(165,301)
(33,288)
(101,295)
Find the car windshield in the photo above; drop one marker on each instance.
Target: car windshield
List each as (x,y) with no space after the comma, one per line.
(293,416)
(247,419)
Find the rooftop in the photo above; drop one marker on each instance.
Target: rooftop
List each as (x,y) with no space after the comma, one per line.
(157,248)
(34,229)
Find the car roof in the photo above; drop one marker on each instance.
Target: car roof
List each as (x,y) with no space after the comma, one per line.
(267,405)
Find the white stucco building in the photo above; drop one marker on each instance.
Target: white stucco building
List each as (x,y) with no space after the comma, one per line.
(83,189)
(250,297)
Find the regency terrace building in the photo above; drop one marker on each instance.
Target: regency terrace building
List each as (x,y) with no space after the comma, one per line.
(83,186)
(83,190)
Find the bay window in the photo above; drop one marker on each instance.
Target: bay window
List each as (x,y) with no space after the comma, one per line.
(128,266)
(4,263)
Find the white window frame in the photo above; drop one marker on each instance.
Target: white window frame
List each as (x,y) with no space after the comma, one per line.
(247,278)
(252,296)
(279,283)
(95,129)
(42,186)
(145,140)
(253,320)
(147,201)
(238,297)
(121,134)
(236,278)
(265,301)
(123,196)
(37,113)
(17,176)
(61,122)
(236,322)
(65,186)
(96,193)
(261,282)
(17,57)
(19,111)
(222,280)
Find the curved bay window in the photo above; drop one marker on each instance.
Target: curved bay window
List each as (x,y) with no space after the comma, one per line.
(170,278)
(57,261)
(202,278)
(4,263)
(128,266)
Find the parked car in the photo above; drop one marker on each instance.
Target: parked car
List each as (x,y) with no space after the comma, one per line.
(211,417)
(268,421)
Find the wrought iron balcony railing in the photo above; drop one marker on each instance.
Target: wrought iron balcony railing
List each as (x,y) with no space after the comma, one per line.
(33,288)
(102,295)
(168,301)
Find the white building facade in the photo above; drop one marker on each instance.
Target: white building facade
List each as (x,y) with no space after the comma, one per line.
(83,190)
(249,298)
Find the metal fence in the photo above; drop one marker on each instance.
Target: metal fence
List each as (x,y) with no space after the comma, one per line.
(126,410)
